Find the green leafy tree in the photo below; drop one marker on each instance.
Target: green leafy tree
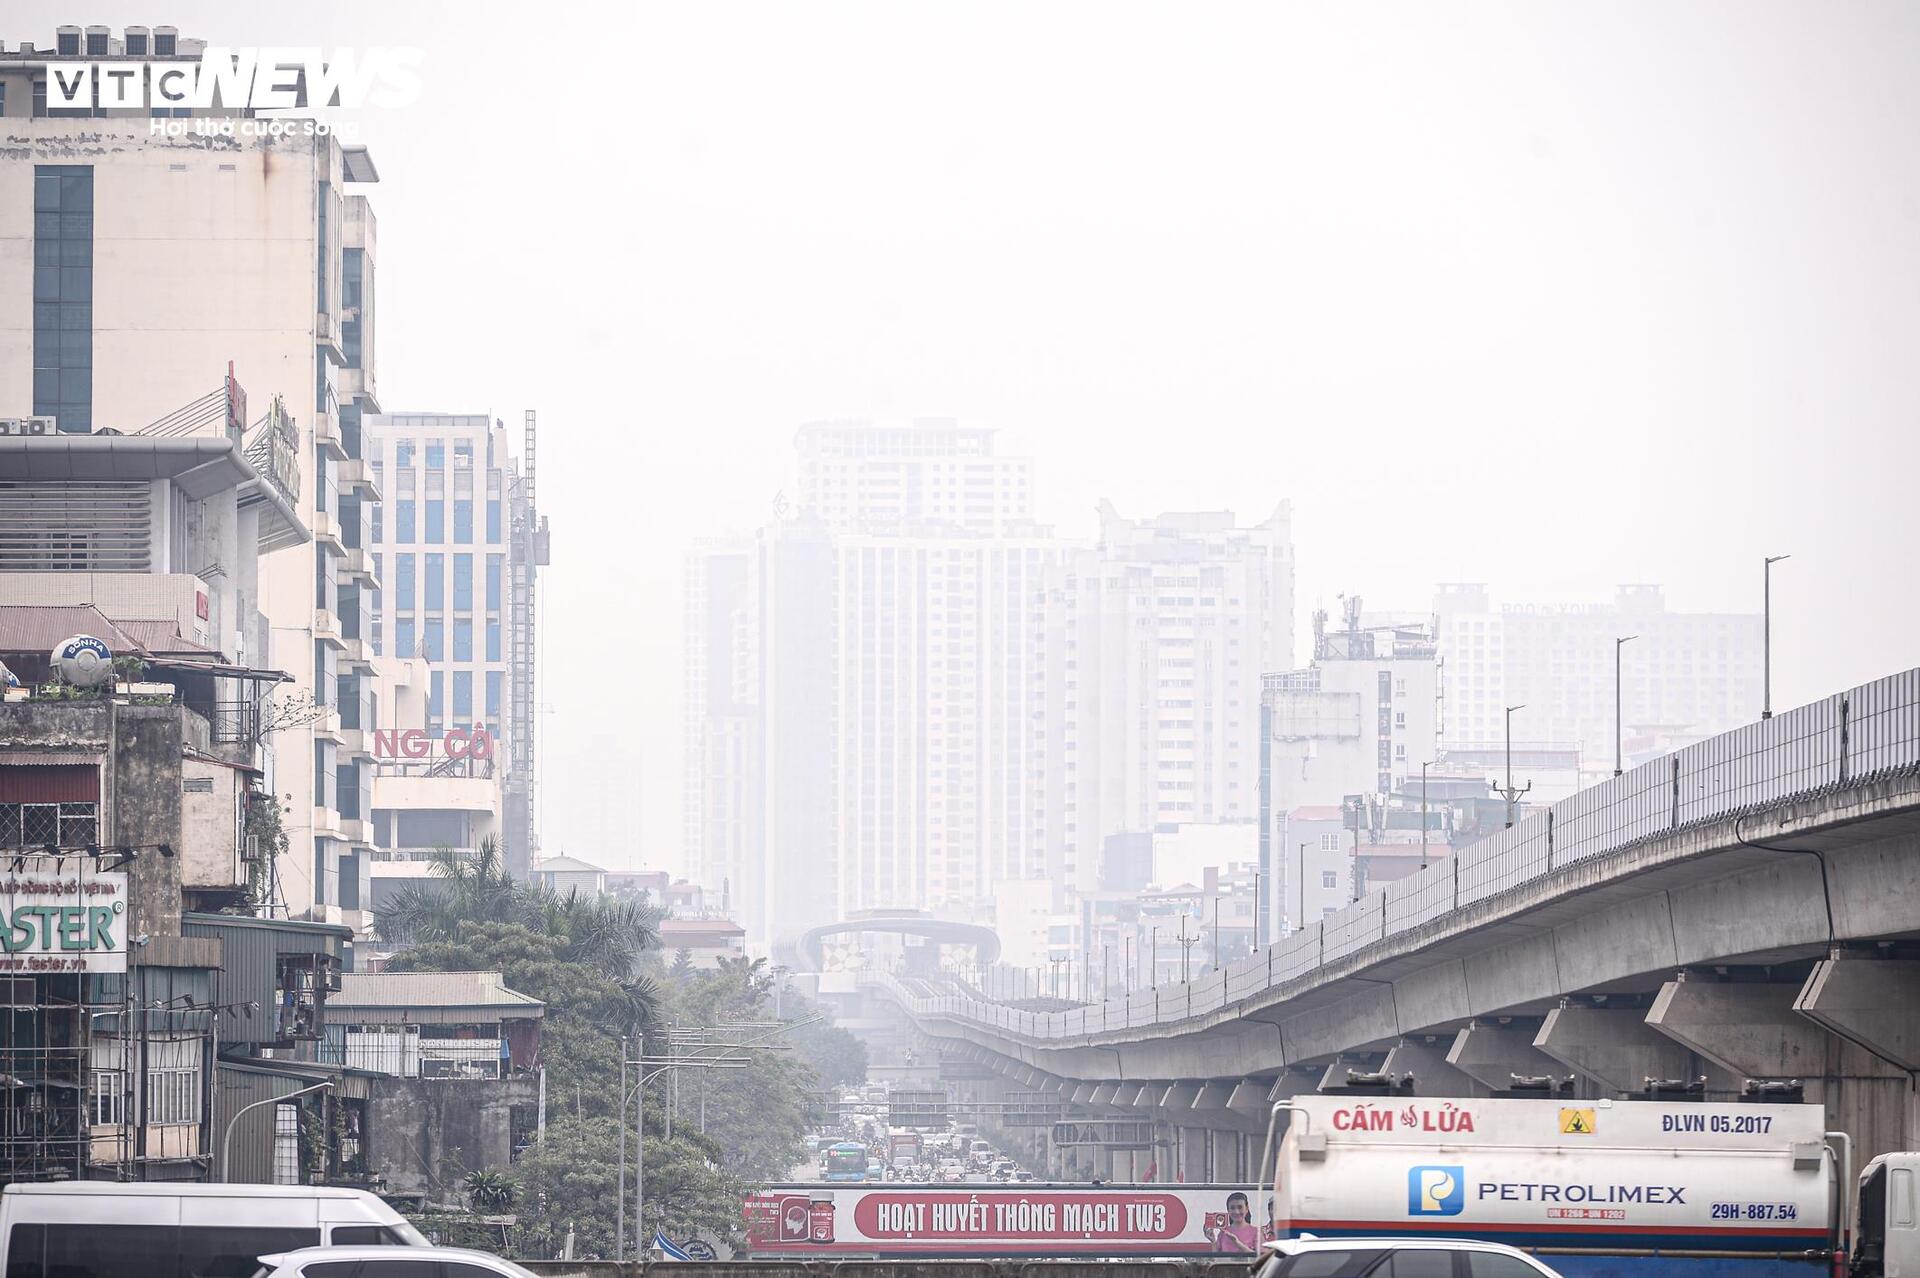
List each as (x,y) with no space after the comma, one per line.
(571,1179)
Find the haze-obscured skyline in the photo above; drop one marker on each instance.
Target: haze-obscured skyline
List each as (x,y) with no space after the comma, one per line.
(1548,296)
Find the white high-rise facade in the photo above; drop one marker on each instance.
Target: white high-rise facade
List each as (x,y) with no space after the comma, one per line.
(136,269)
(908,694)
(1157,641)
(1685,674)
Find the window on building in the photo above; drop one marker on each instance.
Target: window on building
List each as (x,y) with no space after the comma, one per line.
(403,455)
(403,521)
(463,522)
(1329,843)
(403,638)
(463,638)
(109,1091)
(493,695)
(173,1096)
(493,639)
(403,583)
(463,583)
(436,691)
(437,454)
(436,596)
(493,521)
(462,696)
(433,640)
(63,295)
(493,582)
(1329,878)
(436,522)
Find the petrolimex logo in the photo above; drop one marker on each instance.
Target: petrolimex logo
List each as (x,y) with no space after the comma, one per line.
(1436,1191)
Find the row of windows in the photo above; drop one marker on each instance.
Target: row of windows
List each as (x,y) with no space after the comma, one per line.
(408,530)
(462,694)
(434,597)
(429,641)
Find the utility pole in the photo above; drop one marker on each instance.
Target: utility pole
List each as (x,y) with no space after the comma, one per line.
(1186,950)
(1153,957)
(1257,911)
(1056,959)
(1511,795)
(1766,635)
(1618,644)
(1216,925)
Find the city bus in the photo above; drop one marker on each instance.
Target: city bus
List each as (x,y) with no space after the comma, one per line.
(846,1161)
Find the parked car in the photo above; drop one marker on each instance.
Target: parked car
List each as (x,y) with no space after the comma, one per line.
(1398,1258)
(387,1262)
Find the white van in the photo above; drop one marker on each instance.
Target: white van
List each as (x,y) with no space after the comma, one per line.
(107,1229)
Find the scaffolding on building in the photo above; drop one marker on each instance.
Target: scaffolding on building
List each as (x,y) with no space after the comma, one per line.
(527,553)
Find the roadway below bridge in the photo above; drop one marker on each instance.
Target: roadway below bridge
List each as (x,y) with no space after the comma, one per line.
(1748,909)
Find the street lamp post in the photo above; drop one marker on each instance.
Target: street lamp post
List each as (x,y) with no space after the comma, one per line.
(1186,950)
(1302,920)
(1507,792)
(1766,635)
(1423,812)
(1618,644)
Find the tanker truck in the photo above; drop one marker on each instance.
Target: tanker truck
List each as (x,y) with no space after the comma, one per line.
(1597,1189)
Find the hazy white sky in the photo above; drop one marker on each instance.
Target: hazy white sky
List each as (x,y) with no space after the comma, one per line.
(1553,296)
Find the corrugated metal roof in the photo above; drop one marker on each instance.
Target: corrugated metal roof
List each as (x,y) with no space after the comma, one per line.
(36,628)
(429,989)
(49,758)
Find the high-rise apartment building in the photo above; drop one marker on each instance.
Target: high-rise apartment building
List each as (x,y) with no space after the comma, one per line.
(136,268)
(928,471)
(1683,674)
(719,747)
(1156,642)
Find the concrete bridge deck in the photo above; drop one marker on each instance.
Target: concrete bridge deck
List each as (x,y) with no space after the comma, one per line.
(1748,908)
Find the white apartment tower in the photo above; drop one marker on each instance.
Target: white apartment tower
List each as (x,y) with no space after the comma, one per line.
(135,269)
(1683,675)
(1157,641)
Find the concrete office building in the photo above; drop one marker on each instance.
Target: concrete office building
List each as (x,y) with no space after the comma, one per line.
(135,269)
(1157,638)
(441,545)
(1686,675)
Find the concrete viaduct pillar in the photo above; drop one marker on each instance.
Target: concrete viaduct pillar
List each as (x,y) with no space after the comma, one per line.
(1753,1030)
(1493,1054)
(1426,1059)
(1615,1047)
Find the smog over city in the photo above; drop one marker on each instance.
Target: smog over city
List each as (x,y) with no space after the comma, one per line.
(1021,631)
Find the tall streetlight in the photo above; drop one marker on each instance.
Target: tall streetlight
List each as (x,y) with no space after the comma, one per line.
(1618,644)
(226,1139)
(1186,950)
(1766,635)
(1302,920)
(1425,764)
(1507,791)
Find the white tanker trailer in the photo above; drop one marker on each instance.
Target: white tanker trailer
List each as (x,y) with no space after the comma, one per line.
(1600,1189)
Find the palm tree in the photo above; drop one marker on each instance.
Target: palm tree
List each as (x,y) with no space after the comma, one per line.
(475,887)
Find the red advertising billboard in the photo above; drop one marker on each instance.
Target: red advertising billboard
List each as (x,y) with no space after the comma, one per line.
(896,1219)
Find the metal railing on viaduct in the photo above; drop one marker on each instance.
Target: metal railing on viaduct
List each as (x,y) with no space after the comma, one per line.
(1847,740)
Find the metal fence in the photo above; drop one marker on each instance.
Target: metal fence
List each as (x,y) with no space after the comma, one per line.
(1861,735)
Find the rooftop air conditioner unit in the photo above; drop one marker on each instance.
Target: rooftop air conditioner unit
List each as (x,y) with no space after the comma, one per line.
(27,426)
